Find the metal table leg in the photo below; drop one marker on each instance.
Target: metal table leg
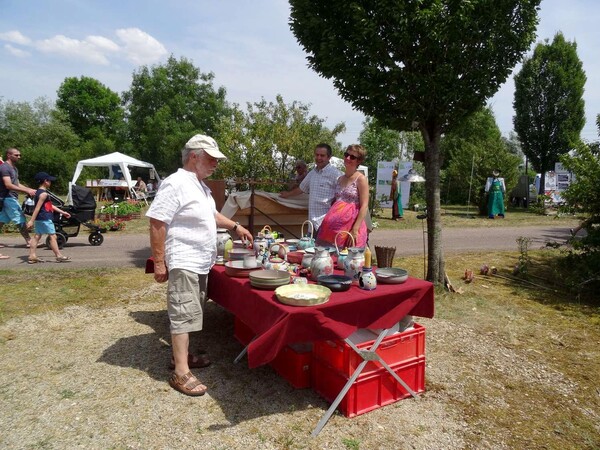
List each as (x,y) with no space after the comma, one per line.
(242,353)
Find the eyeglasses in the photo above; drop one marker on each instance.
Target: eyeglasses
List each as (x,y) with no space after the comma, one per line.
(348,155)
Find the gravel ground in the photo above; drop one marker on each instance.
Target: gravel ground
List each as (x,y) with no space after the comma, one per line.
(96,379)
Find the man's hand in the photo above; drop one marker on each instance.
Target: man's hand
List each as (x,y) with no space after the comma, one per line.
(160,272)
(244,234)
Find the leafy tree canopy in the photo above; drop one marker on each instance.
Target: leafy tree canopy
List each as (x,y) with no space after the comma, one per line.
(583,199)
(91,107)
(44,137)
(263,142)
(415,61)
(549,103)
(166,105)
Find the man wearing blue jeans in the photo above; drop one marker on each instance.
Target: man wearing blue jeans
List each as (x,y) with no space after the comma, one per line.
(9,193)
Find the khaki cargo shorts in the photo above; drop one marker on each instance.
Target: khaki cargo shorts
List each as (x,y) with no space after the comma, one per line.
(186,300)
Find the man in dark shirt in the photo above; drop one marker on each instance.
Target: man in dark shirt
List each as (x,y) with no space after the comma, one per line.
(9,193)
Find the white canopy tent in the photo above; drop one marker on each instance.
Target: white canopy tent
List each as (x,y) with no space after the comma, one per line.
(110,160)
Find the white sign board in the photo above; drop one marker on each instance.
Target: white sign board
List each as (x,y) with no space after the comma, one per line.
(384,181)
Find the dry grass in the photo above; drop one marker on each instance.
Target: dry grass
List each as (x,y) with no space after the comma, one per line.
(509,365)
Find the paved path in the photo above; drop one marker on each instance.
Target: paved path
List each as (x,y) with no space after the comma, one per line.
(132,250)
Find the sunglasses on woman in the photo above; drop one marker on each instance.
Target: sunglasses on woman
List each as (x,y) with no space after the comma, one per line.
(348,155)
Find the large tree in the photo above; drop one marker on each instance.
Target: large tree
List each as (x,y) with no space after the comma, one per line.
(417,64)
(549,106)
(264,141)
(166,105)
(583,195)
(472,151)
(92,109)
(45,138)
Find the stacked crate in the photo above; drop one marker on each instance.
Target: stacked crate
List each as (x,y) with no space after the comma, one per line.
(293,363)
(328,365)
(334,362)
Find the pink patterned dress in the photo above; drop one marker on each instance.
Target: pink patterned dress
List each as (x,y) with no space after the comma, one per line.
(341,217)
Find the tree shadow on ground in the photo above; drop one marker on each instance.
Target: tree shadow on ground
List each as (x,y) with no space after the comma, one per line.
(242,393)
(140,255)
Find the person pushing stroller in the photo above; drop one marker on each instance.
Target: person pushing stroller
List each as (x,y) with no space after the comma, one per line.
(42,216)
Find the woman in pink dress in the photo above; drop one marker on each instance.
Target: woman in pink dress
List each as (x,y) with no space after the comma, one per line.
(351,205)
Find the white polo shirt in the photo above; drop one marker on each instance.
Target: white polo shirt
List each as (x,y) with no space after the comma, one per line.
(187,207)
(321,186)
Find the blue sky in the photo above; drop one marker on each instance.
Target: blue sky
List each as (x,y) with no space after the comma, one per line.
(247,45)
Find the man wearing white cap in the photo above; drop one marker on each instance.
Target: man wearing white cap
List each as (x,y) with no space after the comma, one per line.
(183,237)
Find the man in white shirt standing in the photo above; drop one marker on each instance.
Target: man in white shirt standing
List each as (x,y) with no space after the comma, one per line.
(320,185)
(183,237)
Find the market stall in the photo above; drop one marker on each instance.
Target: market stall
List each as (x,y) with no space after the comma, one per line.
(276,325)
(254,209)
(118,175)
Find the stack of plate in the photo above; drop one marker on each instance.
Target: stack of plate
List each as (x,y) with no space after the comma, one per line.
(269,279)
(236,269)
(237,254)
(303,294)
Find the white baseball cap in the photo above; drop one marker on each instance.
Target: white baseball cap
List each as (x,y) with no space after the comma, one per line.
(205,143)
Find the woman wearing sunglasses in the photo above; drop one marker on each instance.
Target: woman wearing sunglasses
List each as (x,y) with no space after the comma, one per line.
(350,208)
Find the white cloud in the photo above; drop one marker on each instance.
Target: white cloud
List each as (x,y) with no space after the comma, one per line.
(102,43)
(15,37)
(137,47)
(16,51)
(140,47)
(93,49)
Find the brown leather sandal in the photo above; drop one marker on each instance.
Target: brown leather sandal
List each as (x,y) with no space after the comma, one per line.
(194,362)
(186,383)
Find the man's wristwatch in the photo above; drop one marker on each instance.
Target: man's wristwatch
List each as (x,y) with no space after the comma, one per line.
(235,226)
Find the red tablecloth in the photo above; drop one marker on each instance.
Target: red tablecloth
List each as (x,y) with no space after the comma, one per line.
(277,325)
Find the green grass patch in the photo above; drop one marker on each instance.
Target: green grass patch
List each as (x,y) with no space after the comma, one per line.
(52,290)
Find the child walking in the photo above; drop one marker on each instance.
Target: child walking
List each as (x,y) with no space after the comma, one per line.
(42,218)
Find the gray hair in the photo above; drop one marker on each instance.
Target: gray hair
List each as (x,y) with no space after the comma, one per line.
(186,152)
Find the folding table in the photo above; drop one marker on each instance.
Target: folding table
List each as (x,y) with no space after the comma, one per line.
(277,325)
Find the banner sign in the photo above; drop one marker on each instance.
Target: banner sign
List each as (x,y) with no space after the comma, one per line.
(384,181)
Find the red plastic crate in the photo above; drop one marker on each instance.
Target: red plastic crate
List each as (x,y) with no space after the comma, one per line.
(394,349)
(368,392)
(242,332)
(293,363)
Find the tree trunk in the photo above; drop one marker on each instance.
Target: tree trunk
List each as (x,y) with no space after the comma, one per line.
(435,256)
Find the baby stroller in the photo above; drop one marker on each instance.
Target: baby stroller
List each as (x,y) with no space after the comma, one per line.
(82,212)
